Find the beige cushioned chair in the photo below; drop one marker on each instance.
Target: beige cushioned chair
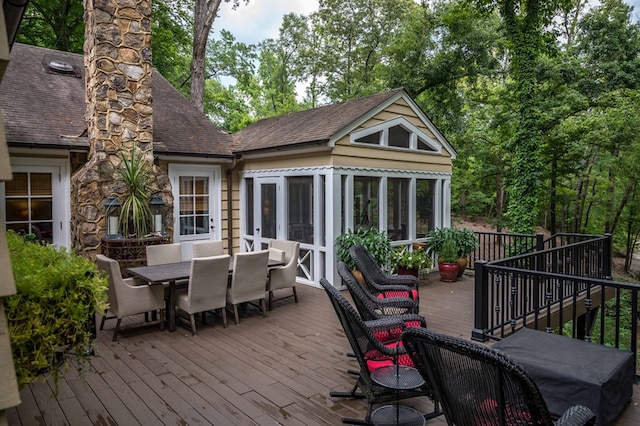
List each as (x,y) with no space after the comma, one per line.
(163,253)
(208,248)
(207,289)
(127,296)
(281,277)
(249,280)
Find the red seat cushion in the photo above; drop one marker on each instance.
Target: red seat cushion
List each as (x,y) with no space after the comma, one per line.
(377,356)
(413,294)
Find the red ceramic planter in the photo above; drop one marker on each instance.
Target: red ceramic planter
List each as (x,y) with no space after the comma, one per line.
(448,271)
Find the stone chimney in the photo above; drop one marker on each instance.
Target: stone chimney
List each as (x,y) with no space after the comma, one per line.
(117,58)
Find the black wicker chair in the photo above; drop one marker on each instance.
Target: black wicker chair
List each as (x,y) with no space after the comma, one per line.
(380,282)
(372,308)
(371,354)
(478,385)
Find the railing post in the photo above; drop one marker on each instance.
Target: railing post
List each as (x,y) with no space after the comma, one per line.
(607,256)
(481,302)
(539,241)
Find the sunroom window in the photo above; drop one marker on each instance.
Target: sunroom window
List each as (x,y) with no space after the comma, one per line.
(425,190)
(372,139)
(397,208)
(424,146)
(365,201)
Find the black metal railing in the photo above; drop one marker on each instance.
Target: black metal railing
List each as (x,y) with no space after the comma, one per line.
(565,288)
(499,245)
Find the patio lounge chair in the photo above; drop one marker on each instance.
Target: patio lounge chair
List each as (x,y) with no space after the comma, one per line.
(371,354)
(128,297)
(379,281)
(372,308)
(478,385)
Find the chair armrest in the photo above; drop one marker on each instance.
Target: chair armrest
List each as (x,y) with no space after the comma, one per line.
(385,324)
(396,306)
(408,280)
(577,415)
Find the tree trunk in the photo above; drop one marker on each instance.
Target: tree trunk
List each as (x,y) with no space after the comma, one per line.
(204,14)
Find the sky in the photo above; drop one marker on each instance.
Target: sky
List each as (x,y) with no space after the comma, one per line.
(261,19)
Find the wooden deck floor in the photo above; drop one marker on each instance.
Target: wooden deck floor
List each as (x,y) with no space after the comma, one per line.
(266,371)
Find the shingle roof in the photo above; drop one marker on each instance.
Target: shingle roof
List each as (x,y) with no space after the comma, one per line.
(47,110)
(313,125)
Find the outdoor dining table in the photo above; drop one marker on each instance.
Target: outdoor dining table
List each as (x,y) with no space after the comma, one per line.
(171,273)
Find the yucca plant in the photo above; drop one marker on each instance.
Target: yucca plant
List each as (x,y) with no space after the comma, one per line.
(137,176)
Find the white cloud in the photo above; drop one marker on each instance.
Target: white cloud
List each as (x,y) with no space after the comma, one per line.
(260,19)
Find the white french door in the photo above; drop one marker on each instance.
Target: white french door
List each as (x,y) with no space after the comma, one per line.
(268,211)
(196,203)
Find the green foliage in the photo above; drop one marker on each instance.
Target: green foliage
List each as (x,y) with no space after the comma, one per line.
(376,242)
(55,24)
(57,294)
(136,174)
(464,241)
(417,259)
(449,251)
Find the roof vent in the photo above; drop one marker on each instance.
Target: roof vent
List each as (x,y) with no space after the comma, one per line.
(60,66)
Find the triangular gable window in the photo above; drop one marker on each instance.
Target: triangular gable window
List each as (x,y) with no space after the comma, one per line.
(398,133)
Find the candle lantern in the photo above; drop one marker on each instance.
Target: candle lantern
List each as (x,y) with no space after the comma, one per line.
(157,214)
(112,217)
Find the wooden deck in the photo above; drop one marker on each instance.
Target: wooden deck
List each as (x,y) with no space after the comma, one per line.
(265,371)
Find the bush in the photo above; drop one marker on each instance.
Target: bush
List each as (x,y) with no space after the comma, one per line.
(58,294)
(376,242)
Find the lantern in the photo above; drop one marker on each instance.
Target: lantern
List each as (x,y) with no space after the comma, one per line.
(157,214)
(112,217)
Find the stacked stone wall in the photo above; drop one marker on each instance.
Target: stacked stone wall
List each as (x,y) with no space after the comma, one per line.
(119,114)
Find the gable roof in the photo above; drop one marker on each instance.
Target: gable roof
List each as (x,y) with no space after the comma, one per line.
(317,125)
(324,125)
(45,109)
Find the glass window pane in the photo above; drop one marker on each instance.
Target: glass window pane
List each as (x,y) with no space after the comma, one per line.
(249,207)
(201,185)
(41,184)
(41,209)
(424,206)
(300,209)
(268,195)
(373,139)
(186,205)
(186,226)
(423,146)
(186,185)
(17,209)
(202,224)
(397,208)
(202,204)
(365,201)
(17,186)
(399,137)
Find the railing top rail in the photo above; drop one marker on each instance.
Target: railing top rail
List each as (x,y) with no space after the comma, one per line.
(546,251)
(507,234)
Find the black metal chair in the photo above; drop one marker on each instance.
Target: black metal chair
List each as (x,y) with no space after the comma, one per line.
(379,281)
(370,354)
(478,385)
(372,308)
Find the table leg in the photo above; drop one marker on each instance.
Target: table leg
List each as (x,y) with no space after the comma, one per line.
(172,306)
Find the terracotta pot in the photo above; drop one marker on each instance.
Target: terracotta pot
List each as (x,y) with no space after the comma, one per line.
(462,265)
(448,271)
(407,271)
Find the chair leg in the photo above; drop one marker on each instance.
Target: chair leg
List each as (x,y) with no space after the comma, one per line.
(264,308)
(224,317)
(270,299)
(104,318)
(115,331)
(235,314)
(192,319)
(295,294)
(161,319)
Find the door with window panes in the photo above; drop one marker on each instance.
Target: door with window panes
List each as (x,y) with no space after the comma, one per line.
(29,205)
(196,203)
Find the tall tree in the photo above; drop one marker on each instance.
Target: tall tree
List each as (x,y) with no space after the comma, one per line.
(56,24)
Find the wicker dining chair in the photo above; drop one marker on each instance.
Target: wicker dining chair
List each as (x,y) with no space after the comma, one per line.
(478,385)
(371,353)
(381,282)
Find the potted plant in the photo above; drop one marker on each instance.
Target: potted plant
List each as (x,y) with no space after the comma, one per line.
(136,177)
(52,315)
(405,261)
(376,242)
(447,258)
(466,242)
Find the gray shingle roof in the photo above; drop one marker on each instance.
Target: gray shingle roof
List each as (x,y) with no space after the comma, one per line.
(314,125)
(43,109)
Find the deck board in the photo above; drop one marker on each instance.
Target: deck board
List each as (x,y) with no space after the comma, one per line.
(264,371)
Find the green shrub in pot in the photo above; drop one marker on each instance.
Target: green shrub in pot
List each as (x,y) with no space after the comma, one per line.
(376,242)
(57,295)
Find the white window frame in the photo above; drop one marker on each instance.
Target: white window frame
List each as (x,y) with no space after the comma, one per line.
(383,128)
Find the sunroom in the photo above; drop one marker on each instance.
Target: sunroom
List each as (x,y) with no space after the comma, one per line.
(388,167)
